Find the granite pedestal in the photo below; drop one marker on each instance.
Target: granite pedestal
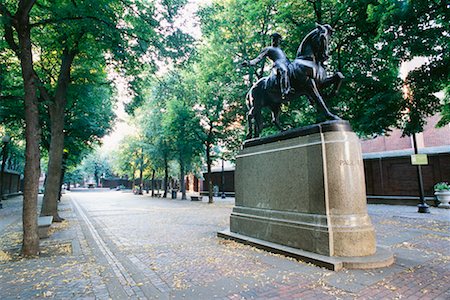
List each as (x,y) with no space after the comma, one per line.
(304,189)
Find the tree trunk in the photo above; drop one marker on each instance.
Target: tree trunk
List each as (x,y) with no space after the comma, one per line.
(153,182)
(30,245)
(96,175)
(166,176)
(53,183)
(57,113)
(209,163)
(141,175)
(133,181)
(182,182)
(61,180)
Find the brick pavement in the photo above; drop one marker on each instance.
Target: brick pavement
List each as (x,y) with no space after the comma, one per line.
(116,245)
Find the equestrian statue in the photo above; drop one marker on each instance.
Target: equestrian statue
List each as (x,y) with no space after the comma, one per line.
(306,75)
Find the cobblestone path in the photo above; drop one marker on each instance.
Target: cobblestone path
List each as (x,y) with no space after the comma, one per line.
(116,245)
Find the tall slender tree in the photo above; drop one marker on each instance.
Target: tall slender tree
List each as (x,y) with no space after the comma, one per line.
(17,33)
(159,141)
(184,128)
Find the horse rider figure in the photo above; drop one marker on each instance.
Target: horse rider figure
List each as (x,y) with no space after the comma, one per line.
(280,63)
(307,76)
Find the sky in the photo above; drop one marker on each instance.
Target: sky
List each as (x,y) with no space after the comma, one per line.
(122,126)
(408,66)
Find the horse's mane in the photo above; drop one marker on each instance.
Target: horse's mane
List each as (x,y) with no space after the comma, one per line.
(301,48)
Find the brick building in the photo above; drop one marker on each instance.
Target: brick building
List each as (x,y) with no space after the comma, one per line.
(390,176)
(431,137)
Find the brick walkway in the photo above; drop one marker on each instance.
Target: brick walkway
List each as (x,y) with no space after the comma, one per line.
(115,245)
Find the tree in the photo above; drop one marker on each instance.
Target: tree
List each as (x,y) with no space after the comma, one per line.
(445,108)
(19,22)
(159,140)
(184,128)
(15,159)
(89,111)
(133,157)
(214,101)
(87,116)
(73,175)
(175,120)
(418,29)
(95,165)
(170,125)
(124,162)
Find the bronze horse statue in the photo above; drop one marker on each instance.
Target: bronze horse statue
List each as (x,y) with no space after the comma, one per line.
(307,76)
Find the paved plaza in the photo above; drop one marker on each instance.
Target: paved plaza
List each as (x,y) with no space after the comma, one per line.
(116,245)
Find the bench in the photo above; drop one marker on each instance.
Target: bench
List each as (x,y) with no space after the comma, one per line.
(196,198)
(43,226)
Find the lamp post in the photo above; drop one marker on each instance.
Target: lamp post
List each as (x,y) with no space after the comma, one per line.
(223,196)
(422,206)
(5,140)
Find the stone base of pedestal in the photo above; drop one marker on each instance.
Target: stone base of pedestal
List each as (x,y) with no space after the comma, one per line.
(304,189)
(382,258)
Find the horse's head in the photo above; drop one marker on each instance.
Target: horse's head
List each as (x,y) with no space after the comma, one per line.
(316,43)
(321,41)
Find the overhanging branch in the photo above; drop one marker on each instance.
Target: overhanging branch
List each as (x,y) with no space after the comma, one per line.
(8,27)
(93,18)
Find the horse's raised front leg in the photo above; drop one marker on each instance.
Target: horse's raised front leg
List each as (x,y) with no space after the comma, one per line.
(314,93)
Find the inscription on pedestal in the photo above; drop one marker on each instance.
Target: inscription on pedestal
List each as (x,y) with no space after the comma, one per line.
(348,162)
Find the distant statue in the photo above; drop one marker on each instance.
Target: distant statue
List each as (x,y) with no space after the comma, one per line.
(307,76)
(280,63)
